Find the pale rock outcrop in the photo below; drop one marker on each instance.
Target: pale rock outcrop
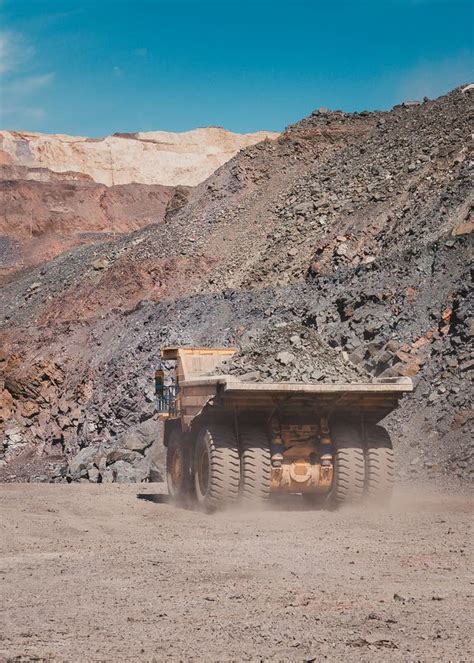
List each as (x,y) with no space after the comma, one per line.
(153,157)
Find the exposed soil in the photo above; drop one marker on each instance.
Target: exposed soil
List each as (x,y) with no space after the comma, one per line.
(42,219)
(114,572)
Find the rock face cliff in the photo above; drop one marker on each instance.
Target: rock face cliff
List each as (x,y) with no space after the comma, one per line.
(152,157)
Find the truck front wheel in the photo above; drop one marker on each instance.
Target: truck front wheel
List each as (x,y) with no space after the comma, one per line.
(216,467)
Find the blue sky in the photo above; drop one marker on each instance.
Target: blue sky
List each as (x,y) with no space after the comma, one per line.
(93,67)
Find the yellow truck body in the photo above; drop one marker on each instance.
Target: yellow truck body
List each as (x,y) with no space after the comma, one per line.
(304,438)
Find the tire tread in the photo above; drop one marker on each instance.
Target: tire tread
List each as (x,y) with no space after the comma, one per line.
(349,470)
(255,463)
(224,466)
(379,465)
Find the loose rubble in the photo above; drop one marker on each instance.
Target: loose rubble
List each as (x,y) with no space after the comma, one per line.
(291,353)
(136,456)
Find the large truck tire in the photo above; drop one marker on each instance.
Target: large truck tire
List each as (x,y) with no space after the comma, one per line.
(379,465)
(349,466)
(255,464)
(178,469)
(216,467)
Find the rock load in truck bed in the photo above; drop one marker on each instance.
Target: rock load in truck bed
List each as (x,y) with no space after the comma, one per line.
(291,353)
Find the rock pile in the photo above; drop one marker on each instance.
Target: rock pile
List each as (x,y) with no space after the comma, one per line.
(292,353)
(135,456)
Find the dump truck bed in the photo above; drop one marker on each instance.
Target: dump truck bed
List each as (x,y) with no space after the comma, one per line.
(199,390)
(374,399)
(232,383)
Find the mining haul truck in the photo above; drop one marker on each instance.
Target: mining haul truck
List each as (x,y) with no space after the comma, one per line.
(229,440)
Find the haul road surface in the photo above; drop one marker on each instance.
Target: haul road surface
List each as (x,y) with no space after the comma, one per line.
(114,572)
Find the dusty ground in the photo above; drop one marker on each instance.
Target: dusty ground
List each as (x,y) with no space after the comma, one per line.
(114,572)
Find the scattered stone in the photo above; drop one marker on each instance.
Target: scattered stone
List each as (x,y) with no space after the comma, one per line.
(100,263)
(141,436)
(285,358)
(123,472)
(122,455)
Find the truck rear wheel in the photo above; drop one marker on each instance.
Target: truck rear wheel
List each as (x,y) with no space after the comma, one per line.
(255,464)
(379,465)
(178,472)
(349,466)
(216,467)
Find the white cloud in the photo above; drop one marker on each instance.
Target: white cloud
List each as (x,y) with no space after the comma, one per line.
(22,87)
(17,87)
(14,51)
(431,79)
(28,113)
(117,72)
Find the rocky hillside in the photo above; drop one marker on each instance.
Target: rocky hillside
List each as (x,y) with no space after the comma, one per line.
(59,192)
(151,157)
(356,227)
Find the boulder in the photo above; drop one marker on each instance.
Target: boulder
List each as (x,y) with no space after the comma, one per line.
(156,458)
(142,435)
(93,474)
(100,263)
(82,460)
(123,454)
(123,472)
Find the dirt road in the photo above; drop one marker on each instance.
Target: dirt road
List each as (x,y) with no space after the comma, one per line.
(114,572)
